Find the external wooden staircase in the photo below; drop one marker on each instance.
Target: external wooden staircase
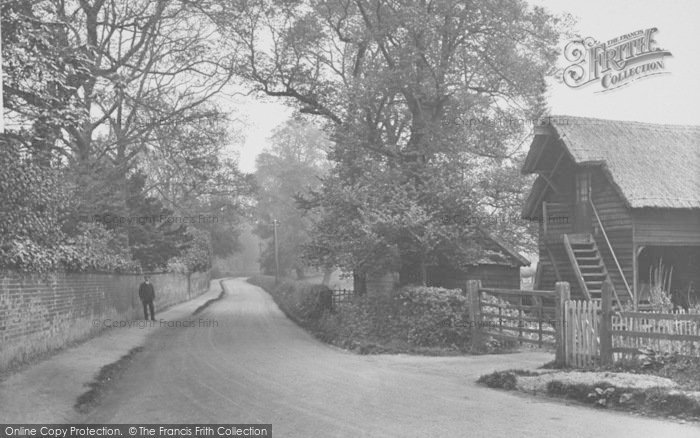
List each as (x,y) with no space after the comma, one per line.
(587,264)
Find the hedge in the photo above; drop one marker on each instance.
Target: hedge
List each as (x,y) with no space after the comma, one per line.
(413,318)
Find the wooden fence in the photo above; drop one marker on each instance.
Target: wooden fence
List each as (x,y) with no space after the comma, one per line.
(595,333)
(583,333)
(340,295)
(523,316)
(582,330)
(677,332)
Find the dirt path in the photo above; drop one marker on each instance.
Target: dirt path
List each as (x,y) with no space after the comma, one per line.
(256,366)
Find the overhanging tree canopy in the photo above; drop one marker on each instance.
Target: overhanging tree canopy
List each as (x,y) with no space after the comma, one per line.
(390,78)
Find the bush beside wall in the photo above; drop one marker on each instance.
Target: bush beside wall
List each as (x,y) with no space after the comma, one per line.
(43,313)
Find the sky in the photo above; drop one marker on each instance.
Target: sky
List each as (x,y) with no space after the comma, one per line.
(672,98)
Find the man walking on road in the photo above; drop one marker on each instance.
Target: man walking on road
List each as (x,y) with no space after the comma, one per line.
(147,295)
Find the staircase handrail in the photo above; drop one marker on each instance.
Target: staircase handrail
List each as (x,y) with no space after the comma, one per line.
(617,263)
(574,264)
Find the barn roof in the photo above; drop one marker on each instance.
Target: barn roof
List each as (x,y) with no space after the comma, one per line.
(651,165)
(509,253)
(486,248)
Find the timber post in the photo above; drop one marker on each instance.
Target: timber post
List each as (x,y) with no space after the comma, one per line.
(473,287)
(563,294)
(606,353)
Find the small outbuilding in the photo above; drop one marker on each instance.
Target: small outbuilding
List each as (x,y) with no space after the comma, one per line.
(491,260)
(497,266)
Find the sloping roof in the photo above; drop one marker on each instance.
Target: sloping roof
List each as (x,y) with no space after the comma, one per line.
(509,250)
(652,165)
(488,249)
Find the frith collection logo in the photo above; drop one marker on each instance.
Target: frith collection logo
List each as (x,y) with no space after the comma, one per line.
(614,63)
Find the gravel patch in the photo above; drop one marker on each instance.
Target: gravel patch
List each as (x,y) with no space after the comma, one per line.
(535,384)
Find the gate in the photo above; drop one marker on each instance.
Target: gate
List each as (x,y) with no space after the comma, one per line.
(582,333)
(523,316)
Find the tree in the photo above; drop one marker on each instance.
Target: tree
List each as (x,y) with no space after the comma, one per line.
(190,172)
(36,230)
(391,79)
(39,70)
(291,166)
(197,256)
(100,92)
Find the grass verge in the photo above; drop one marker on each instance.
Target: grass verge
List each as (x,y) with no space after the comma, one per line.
(102,383)
(211,301)
(603,392)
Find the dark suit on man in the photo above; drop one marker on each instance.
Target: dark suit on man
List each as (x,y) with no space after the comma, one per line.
(147,295)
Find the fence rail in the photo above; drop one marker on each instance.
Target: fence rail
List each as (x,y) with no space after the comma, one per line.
(596,334)
(584,333)
(523,316)
(663,332)
(340,295)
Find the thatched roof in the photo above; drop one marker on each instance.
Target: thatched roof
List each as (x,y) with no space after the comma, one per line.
(651,165)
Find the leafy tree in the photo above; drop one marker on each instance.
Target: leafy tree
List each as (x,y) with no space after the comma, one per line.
(154,234)
(40,70)
(95,91)
(391,80)
(35,214)
(94,248)
(291,166)
(197,256)
(189,171)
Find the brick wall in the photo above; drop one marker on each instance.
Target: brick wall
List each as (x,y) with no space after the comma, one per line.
(39,314)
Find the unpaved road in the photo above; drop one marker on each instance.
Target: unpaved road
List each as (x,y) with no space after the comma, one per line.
(258,367)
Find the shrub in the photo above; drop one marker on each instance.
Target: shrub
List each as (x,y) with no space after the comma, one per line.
(414,317)
(299,300)
(672,403)
(660,288)
(605,395)
(434,316)
(580,391)
(499,379)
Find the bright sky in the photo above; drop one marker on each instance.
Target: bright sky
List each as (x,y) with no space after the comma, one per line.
(670,98)
(673,98)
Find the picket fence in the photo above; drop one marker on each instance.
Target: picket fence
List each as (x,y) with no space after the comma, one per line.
(674,332)
(582,328)
(595,333)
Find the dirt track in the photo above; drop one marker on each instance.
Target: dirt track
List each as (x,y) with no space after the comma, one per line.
(258,367)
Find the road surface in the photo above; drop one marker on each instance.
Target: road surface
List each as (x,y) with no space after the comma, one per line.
(255,366)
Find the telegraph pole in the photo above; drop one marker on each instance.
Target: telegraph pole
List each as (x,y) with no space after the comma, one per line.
(275,223)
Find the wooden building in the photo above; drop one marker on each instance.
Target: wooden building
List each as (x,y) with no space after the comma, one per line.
(615,199)
(496,263)
(487,258)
